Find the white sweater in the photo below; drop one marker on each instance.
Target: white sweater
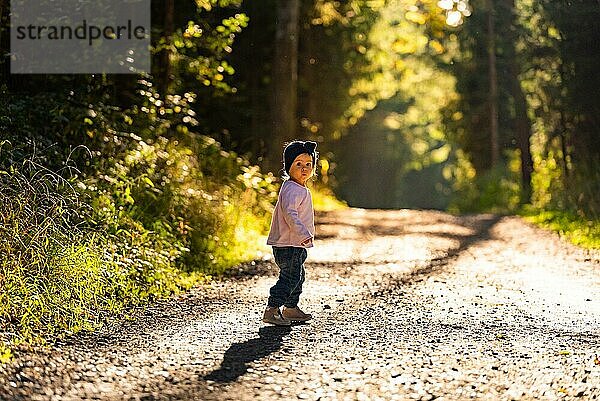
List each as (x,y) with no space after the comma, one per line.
(293,218)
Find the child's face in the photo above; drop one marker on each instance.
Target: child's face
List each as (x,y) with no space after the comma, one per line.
(302,168)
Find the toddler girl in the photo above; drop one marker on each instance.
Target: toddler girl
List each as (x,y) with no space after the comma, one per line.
(292,231)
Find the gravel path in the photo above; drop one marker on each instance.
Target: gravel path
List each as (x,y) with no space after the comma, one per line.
(407,304)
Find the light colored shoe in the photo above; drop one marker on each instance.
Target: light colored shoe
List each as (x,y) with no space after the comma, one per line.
(295,314)
(273,315)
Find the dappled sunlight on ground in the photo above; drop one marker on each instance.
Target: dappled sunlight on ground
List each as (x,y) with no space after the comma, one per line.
(402,237)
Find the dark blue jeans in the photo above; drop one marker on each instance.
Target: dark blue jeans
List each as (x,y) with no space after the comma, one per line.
(288,287)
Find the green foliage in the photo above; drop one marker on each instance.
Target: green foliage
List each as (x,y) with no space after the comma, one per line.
(43,124)
(153,209)
(395,120)
(547,182)
(199,49)
(560,80)
(162,217)
(177,194)
(343,71)
(577,229)
(324,199)
(203,206)
(358,53)
(496,190)
(164,207)
(160,214)
(542,45)
(468,116)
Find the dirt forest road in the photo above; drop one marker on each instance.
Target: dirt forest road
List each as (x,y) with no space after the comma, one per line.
(408,305)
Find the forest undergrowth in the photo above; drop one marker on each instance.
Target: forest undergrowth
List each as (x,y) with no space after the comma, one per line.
(77,250)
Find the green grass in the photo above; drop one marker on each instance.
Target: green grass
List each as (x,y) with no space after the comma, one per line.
(575,228)
(57,275)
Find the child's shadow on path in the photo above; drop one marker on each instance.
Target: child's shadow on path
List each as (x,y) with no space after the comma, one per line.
(236,359)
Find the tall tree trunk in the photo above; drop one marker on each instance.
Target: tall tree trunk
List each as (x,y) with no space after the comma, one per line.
(493,82)
(285,79)
(523,132)
(562,133)
(522,121)
(164,80)
(312,107)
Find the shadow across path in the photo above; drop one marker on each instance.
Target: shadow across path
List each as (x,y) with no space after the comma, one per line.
(239,355)
(482,226)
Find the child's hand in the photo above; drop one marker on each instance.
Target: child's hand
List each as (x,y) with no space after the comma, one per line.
(306,242)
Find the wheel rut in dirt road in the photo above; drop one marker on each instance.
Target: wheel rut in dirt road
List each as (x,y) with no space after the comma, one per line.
(407,305)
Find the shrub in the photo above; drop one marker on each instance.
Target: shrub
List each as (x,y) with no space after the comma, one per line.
(204,207)
(575,228)
(497,190)
(159,217)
